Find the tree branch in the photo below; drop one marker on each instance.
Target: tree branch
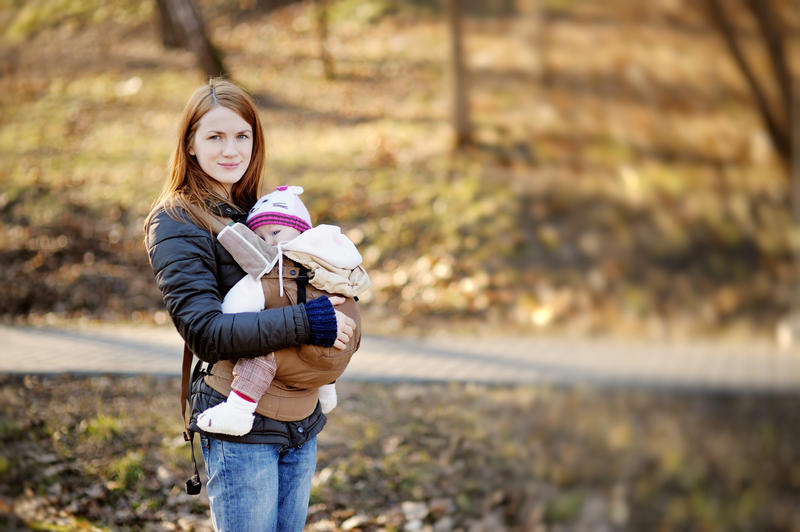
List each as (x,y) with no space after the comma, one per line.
(779,137)
(773,34)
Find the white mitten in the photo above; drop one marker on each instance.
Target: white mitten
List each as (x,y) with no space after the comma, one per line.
(233,417)
(327,397)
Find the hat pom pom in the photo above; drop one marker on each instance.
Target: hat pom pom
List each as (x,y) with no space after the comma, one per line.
(292,189)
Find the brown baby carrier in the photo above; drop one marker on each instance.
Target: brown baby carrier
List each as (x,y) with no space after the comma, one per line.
(302,369)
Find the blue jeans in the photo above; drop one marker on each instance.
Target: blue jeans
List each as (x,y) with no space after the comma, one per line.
(253,487)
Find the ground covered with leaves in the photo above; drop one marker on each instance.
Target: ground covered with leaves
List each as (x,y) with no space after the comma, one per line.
(620,178)
(106,453)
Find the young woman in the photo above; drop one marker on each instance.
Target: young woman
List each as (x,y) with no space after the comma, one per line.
(260,481)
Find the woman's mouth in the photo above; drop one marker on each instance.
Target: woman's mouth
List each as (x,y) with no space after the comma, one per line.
(229,166)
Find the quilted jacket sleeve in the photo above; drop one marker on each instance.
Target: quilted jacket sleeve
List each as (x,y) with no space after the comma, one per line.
(184,261)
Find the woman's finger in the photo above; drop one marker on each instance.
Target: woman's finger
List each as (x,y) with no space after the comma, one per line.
(344,321)
(344,328)
(336,300)
(341,340)
(348,322)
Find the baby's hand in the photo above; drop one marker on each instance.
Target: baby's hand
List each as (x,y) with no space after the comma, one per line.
(345,326)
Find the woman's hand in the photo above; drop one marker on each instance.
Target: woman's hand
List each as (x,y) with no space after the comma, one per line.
(344,323)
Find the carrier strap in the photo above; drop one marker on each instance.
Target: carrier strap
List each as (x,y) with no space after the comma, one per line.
(217,223)
(302,282)
(192,484)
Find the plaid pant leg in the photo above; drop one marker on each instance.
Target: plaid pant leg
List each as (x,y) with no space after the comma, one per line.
(252,376)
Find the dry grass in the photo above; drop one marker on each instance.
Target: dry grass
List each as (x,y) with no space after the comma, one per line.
(620,182)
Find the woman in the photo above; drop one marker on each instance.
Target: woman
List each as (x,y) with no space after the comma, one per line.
(262,480)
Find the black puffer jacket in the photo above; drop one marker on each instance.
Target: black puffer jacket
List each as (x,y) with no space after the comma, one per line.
(194,272)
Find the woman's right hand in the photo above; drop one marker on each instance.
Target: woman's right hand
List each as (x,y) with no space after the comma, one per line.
(345,325)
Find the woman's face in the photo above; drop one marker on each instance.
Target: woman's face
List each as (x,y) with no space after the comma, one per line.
(223,145)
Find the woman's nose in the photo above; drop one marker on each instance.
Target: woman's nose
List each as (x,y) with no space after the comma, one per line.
(229,148)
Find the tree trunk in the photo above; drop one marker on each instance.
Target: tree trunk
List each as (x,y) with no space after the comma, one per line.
(458,75)
(170,37)
(321,8)
(774,36)
(186,19)
(782,120)
(779,131)
(795,199)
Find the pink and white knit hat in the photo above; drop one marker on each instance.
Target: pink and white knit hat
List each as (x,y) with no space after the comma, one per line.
(282,207)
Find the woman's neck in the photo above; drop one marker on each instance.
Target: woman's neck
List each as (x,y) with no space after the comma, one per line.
(224,192)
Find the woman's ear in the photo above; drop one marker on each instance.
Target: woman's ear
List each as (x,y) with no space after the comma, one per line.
(191,151)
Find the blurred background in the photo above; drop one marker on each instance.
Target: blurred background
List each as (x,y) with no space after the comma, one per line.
(558,168)
(547,165)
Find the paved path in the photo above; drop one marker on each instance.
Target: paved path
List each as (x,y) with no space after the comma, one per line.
(705,366)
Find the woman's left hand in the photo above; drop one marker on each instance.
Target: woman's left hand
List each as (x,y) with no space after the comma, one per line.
(345,325)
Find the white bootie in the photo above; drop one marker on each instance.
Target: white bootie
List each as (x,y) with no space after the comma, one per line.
(233,417)
(327,397)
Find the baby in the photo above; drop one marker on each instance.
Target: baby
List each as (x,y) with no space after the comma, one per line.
(281,220)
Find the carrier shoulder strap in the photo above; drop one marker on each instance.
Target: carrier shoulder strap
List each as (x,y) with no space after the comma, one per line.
(217,223)
(186,370)
(302,282)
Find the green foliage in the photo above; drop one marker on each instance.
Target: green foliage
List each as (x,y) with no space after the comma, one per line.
(10,429)
(127,472)
(102,428)
(361,12)
(564,507)
(34,16)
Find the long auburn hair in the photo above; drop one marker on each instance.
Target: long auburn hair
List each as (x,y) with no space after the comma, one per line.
(188,187)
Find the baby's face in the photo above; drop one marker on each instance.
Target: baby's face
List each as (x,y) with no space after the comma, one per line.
(273,234)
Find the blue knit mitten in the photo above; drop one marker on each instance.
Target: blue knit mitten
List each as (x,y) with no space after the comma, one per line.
(321,321)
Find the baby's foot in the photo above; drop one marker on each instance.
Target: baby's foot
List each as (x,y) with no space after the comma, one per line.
(327,397)
(233,417)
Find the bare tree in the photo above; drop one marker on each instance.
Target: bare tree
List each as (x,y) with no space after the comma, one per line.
(777,116)
(166,29)
(789,328)
(781,117)
(792,322)
(462,127)
(181,24)
(321,11)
